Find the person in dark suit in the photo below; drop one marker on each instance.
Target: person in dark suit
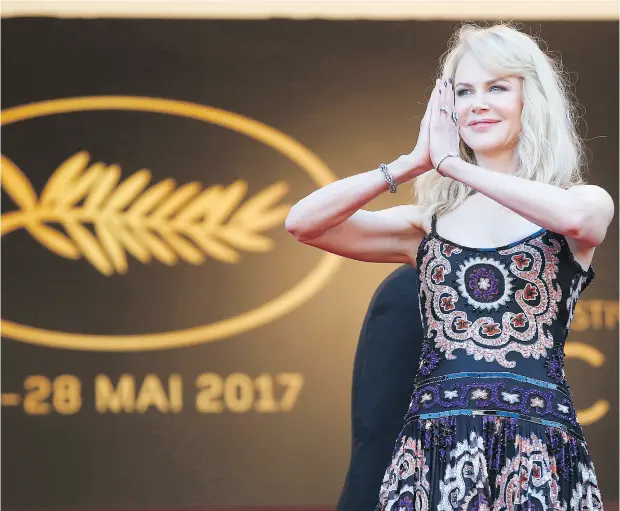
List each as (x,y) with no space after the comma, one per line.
(384,370)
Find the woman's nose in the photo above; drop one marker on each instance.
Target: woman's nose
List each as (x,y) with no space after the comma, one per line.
(479,104)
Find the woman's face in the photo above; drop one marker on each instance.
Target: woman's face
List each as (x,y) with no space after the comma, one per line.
(489,108)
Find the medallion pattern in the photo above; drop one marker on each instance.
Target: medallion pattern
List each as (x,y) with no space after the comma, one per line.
(484,283)
(489,306)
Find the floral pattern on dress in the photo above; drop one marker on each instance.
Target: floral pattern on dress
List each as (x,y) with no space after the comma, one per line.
(529,478)
(526,285)
(465,482)
(409,465)
(577,285)
(586,494)
(484,283)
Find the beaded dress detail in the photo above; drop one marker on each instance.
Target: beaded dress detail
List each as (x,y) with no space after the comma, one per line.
(491,425)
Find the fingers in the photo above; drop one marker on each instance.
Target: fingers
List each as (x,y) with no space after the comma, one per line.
(444,94)
(451,100)
(450,95)
(429,107)
(442,107)
(442,110)
(435,103)
(447,108)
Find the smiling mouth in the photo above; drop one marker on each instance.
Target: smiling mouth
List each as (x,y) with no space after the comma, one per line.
(482,123)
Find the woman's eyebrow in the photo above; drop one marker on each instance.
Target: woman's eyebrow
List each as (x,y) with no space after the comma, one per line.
(465,84)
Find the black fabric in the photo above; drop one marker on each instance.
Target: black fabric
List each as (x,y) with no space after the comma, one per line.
(385,365)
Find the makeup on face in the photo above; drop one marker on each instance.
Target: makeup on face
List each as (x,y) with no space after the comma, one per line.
(489,106)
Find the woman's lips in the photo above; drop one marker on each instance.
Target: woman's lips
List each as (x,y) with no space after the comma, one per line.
(482,125)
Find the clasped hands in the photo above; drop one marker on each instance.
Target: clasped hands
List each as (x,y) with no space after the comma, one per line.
(439,129)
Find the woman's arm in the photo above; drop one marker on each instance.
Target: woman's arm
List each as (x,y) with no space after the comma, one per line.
(581,213)
(332,204)
(387,236)
(331,218)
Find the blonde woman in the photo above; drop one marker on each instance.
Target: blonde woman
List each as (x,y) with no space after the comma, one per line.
(502,234)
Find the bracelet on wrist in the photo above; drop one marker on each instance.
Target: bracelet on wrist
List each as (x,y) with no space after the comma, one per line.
(388,177)
(448,155)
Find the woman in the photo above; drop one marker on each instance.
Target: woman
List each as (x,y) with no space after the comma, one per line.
(502,235)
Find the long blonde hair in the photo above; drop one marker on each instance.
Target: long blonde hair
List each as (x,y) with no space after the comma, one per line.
(549,149)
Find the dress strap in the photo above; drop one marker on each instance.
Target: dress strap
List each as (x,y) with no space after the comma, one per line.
(434,223)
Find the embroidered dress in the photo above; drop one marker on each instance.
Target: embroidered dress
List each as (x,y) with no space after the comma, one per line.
(491,425)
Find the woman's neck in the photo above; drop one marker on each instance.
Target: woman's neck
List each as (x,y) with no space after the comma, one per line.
(505,162)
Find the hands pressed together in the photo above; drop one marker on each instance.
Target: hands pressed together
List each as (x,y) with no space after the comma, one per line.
(439,130)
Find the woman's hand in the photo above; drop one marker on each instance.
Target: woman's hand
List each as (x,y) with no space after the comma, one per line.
(443,131)
(421,153)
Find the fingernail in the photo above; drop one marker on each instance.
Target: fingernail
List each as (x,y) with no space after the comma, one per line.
(445,83)
(439,91)
(449,80)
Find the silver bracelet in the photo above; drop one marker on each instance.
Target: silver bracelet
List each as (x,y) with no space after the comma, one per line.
(388,177)
(449,155)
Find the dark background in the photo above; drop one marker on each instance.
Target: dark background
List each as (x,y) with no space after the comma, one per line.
(353,93)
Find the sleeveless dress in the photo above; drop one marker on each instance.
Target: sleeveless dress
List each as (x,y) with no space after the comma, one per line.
(491,425)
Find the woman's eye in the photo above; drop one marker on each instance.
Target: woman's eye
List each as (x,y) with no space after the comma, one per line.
(497,88)
(461,92)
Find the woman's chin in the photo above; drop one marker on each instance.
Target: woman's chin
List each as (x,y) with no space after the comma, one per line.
(487,148)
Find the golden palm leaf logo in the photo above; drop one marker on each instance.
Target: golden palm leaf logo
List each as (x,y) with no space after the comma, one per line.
(87,210)
(162,221)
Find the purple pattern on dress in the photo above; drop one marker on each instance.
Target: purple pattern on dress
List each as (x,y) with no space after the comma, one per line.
(406,503)
(480,503)
(564,449)
(438,433)
(555,365)
(428,359)
(498,431)
(483,284)
(528,401)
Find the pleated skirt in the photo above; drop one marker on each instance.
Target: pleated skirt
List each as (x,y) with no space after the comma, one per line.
(488,463)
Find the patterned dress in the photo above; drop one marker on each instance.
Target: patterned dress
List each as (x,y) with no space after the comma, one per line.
(491,425)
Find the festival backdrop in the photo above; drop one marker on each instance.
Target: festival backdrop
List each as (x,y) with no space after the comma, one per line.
(165,342)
